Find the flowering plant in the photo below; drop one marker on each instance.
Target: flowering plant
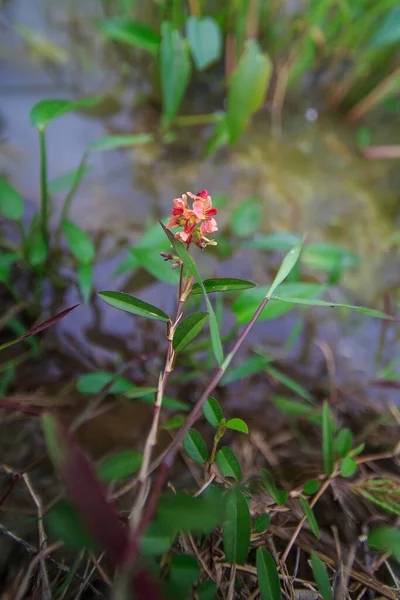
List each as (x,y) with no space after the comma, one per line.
(196,221)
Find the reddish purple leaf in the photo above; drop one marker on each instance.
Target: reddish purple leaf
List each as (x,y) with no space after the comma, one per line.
(87,493)
(41,327)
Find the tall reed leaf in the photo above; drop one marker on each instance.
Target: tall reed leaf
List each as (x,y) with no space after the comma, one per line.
(175,70)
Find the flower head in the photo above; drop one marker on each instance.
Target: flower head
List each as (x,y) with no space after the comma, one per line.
(196,221)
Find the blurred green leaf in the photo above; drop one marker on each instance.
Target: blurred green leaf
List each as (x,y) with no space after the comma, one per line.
(237,425)
(295,408)
(188,330)
(389,31)
(246,218)
(119,465)
(128,303)
(46,111)
(321,576)
(274,241)
(6,260)
(385,539)
(166,403)
(93,383)
(113,142)
(67,180)
(267,574)
(174,422)
(184,572)
(308,511)
(261,523)
(248,87)
(228,463)
(175,70)
(11,202)
(222,284)
(250,366)
(344,442)
(207,590)
(246,304)
(311,486)
(85,281)
(150,260)
(155,541)
(65,524)
(348,467)
(212,412)
(371,312)
(204,37)
(290,383)
(36,248)
(286,267)
(79,243)
(195,447)
(138,392)
(280,496)
(237,527)
(218,138)
(182,512)
(327,440)
(131,32)
(328,257)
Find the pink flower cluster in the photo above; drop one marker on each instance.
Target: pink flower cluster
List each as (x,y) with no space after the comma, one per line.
(196,221)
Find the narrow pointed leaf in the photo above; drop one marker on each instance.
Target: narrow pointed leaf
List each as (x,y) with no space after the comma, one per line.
(228,463)
(119,465)
(131,32)
(46,111)
(190,265)
(237,425)
(85,281)
(370,312)
(321,576)
(287,265)
(79,243)
(261,523)
(94,383)
(128,303)
(308,511)
(280,496)
(237,527)
(204,37)
(222,284)
(188,329)
(40,327)
(212,412)
(344,442)
(268,578)
(68,179)
(11,203)
(195,447)
(327,440)
(113,142)
(175,69)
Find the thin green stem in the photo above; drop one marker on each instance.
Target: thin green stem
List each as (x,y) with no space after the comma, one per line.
(44,207)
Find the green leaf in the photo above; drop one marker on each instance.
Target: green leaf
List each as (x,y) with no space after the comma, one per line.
(195,447)
(218,138)
(385,539)
(65,524)
(290,383)
(247,90)
(139,392)
(237,527)
(174,422)
(79,243)
(344,442)
(184,572)
(287,265)
(237,425)
(310,516)
(327,440)
(119,465)
(348,467)
(280,496)
(131,32)
(183,512)
(204,37)
(246,217)
(155,541)
(212,412)
(11,202)
(150,260)
(268,578)
(357,450)
(175,70)
(261,523)
(46,111)
(188,330)
(321,576)
(328,257)
(37,248)
(190,265)
(207,590)
(246,304)
(93,383)
(228,463)
(250,366)
(167,402)
(275,241)
(85,281)
(311,486)
(113,142)
(128,303)
(222,284)
(295,408)
(388,31)
(67,180)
